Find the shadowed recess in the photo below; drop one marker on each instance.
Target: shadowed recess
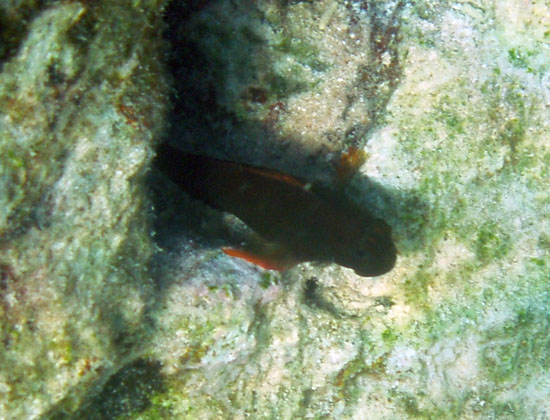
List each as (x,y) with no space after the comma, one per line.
(127,392)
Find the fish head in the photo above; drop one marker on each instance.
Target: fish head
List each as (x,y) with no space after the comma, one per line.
(369,250)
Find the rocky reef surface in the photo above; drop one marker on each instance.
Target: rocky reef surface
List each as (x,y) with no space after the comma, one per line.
(115,298)
(81,100)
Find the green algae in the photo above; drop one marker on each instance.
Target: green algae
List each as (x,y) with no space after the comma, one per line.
(491,243)
(445,110)
(519,58)
(304,52)
(416,289)
(268,279)
(128,393)
(390,337)
(163,406)
(518,349)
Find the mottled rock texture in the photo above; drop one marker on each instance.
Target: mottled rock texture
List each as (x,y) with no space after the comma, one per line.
(81,99)
(451,100)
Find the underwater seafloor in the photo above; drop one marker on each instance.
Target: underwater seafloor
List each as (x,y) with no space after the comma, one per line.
(116,301)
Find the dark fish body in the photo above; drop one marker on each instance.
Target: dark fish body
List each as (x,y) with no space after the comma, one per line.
(308,222)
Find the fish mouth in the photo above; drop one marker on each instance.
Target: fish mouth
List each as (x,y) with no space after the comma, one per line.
(380,266)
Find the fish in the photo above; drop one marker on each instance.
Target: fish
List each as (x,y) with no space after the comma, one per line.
(298,221)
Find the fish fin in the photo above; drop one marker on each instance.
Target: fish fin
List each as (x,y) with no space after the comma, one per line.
(350,162)
(279,261)
(279,176)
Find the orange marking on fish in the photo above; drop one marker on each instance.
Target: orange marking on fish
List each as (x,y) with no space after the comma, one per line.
(289,179)
(350,161)
(256,259)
